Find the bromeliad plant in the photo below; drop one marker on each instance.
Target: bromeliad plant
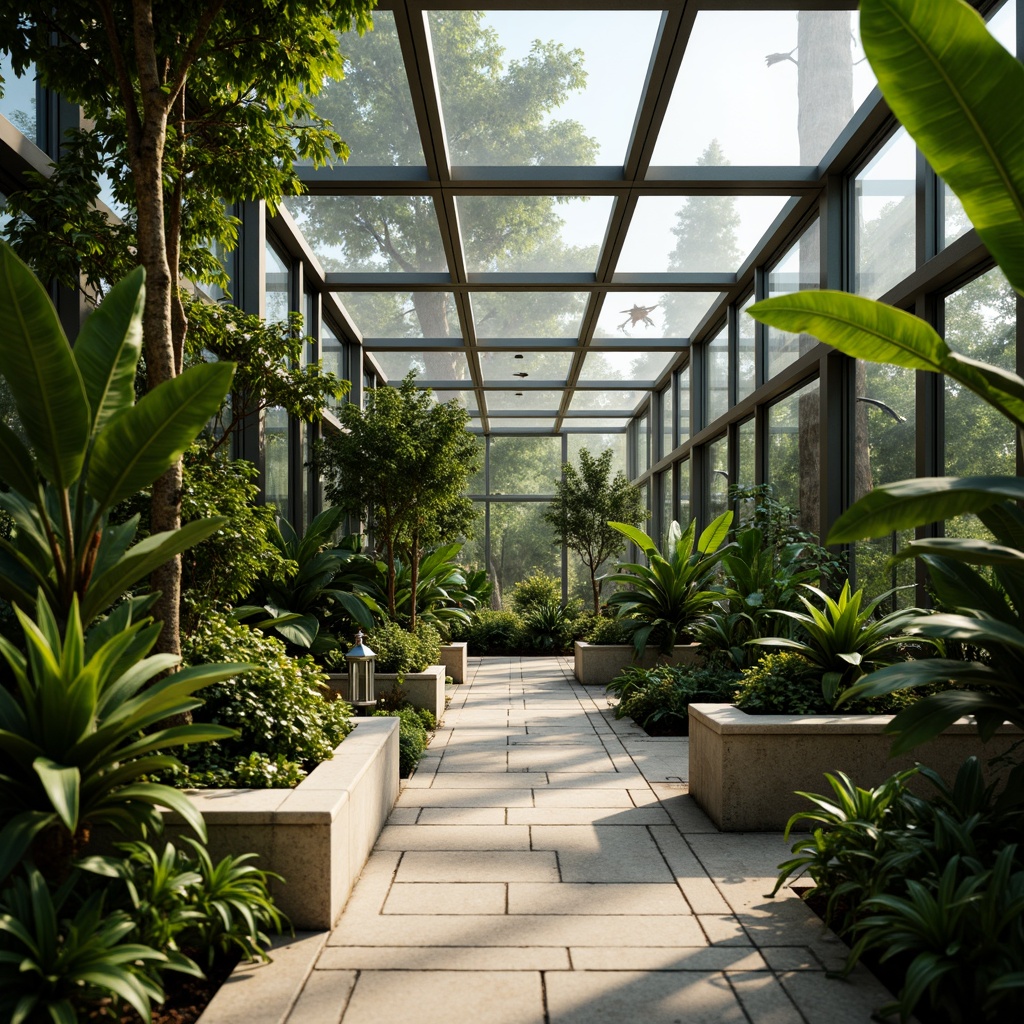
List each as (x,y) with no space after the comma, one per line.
(843,641)
(87,445)
(664,600)
(960,95)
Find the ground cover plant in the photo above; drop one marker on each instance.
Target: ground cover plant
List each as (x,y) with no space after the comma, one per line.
(658,698)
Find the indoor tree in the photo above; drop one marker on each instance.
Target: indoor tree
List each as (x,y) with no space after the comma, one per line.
(401,467)
(588,499)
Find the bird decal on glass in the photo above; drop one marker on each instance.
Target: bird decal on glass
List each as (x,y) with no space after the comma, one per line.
(637,315)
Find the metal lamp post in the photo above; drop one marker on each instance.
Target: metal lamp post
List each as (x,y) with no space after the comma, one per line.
(361,660)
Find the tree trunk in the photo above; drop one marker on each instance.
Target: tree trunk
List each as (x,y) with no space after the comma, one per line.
(597,589)
(389,554)
(414,575)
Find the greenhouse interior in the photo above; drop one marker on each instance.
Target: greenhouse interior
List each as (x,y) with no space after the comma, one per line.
(615,260)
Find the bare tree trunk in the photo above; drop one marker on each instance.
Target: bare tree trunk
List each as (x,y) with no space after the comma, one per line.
(597,589)
(414,576)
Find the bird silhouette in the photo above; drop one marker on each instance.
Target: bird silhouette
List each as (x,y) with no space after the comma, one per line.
(776,58)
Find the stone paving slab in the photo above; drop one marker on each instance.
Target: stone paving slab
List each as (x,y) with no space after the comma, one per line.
(481,866)
(447,898)
(444,958)
(565,898)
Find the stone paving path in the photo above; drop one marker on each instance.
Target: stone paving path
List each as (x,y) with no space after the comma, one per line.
(531,873)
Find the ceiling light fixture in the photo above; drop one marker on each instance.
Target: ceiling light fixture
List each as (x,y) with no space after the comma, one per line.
(521,373)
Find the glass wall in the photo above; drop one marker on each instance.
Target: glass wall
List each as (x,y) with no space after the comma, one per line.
(276,456)
(798,270)
(794,453)
(716,372)
(745,351)
(668,422)
(716,477)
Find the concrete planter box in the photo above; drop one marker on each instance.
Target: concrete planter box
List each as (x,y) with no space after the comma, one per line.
(599,664)
(745,769)
(454,658)
(318,835)
(422,689)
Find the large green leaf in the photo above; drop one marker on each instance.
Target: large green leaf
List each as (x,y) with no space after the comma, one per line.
(36,359)
(62,784)
(16,466)
(108,347)
(910,503)
(961,97)
(140,443)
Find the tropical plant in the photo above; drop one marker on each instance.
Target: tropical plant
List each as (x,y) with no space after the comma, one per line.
(496,632)
(939,69)
(53,960)
(301,603)
(539,589)
(665,599)
(400,651)
(89,446)
(658,699)
(784,683)
(75,750)
(587,502)
(843,640)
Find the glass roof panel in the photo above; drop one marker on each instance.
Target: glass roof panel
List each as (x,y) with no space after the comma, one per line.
(503,366)
(429,365)
(374,234)
(601,423)
(545,233)
(606,401)
(625,366)
(591,100)
(515,401)
(466,398)
(371,105)
(403,314)
(675,315)
(522,422)
(528,314)
(785,59)
(695,234)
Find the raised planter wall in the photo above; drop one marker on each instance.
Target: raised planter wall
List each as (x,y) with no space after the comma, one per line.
(318,835)
(599,664)
(454,658)
(745,769)
(422,689)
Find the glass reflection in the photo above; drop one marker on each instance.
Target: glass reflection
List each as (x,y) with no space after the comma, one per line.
(528,314)
(794,453)
(797,271)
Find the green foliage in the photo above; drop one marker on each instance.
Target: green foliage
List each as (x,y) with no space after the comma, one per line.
(83,726)
(666,598)
(844,641)
(412,737)
(927,63)
(781,684)
(586,508)
(606,630)
(401,466)
(495,632)
(936,886)
(538,590)
(658,698)
(91,445)
(276,709)
(549,628)
(400,651)
(53,958)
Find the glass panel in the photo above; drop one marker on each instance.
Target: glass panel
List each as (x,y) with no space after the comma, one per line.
(716,371)
(640,315)
(537,233)
(642,449)
(519,401)
(520,422)
(465,397)
(491,66)
(1002,25)
(525,465)
(684,509)
(811,85)
(278,287)
(521,541)
(717,467)
(541,366)
(18,103)
(373,93)
(276,460)
(665,491)
(627,366)
(333,358)
(745,351)
(885,226)
(695,234)
(747,464)
(597,443)
(799,270)
(684,405)
(793,453)
(403,314)
(668,422)
(605,401)
(883,452)
(357,234)
(603,422)
(981,324)
(427,365)
(474,551)
(528,314)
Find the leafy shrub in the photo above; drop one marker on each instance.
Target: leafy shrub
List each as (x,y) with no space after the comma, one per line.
(278,710)
(412,737)
(548,629)
(661,705)
(609,631)
(538,590)
(496,632)
(400,651)
(781,684)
